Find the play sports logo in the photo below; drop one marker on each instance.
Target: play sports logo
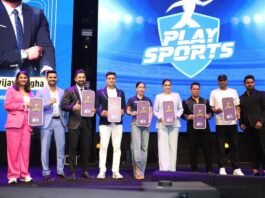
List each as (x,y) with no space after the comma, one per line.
(189,41)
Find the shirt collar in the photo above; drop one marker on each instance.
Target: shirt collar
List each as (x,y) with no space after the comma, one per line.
(78,87)
(9,9)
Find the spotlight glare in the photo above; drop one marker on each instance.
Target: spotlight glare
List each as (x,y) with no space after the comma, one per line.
(246,20)
(128,19)
(139,19)
(115,17)
(258,18)
(235,20)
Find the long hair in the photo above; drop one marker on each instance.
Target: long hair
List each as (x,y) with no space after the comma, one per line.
(27,86)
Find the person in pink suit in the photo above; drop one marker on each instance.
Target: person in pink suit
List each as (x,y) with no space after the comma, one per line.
(18,132)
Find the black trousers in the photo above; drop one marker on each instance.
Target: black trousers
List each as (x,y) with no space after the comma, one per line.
(80,137)
(197,139)
(228,133)
(255,148)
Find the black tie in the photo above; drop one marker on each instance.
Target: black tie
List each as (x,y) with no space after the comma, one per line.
(19,30)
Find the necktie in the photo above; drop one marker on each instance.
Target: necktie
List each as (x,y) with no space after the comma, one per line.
(19,29)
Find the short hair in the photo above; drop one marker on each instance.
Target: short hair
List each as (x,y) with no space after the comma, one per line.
(165,80)
(110,73)
(50,72)
(194,83)
(27,86)
(80,71)
(138,83)
(249,77)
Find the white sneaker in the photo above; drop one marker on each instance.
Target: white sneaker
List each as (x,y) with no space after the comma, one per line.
(12,181)
(222,171)
(101,175)
(26,179)
(117,175)
(238,172)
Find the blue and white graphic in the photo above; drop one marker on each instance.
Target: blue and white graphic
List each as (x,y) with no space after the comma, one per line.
(189,41)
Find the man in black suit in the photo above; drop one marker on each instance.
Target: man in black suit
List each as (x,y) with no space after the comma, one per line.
(252,104)
(107,129)
(80,128)
(25,39)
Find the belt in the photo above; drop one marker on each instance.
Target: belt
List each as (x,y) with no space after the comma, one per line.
(55,117)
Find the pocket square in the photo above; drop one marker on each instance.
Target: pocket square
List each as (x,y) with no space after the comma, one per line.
(3,26)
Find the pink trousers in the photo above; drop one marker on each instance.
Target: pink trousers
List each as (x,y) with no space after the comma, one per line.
(18,149)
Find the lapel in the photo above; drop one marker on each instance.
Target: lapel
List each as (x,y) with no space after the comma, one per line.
(4,18)
(77,94)
(27,16)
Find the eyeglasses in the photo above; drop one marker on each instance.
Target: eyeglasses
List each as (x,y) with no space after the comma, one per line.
(167,85)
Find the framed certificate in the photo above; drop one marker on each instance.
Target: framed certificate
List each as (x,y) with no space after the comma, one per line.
(199,121)
(88,103)
(35,113)
(169,117)
(114,109)
(143,113)
(229,110)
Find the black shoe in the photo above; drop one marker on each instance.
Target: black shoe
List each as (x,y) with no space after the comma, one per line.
(61,176)
(87,175)
(72,177)
(47,178)
(256,174)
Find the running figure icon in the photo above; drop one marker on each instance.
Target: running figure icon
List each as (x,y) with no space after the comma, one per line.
(188,8)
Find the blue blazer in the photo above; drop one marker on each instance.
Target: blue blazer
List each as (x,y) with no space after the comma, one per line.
(36,32)
(48,109)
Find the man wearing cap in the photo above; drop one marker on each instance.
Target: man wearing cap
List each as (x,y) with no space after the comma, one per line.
(225,130)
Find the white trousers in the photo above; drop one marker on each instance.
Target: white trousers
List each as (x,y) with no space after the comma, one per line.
(167,147)
(105,131)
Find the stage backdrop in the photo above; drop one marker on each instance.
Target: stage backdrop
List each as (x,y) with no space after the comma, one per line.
(181,40)
(60,16)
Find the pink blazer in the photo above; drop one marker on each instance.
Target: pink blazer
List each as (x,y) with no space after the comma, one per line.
(14,106)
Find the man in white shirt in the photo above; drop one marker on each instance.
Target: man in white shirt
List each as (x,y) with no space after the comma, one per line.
(225,129)
(54,123)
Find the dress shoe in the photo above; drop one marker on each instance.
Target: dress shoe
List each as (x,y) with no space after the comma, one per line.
(47,178)
(61,175)
(87,175)
(73,177)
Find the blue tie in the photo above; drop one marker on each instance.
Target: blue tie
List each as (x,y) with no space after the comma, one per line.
(19,30)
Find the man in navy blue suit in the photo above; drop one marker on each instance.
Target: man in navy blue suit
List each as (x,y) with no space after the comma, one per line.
(25,39)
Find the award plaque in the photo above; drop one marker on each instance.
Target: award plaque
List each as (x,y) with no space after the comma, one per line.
(114,109)
(199,121)
(229,110)
(88,103)
(143,113)
(169,117)
(35,113)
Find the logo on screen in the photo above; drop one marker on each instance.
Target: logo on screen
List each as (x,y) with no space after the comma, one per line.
(189,41)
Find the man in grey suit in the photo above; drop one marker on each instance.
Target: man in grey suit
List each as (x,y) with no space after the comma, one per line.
(54,123)
(80,128)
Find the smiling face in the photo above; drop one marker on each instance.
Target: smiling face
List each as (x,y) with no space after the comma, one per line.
(80,79)
(51,79)
(140,89)
(111,81)
(167,86)
(249,84)
(22,80)
(195,91)
(222,84)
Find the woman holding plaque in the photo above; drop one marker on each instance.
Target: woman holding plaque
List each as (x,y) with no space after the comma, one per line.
(140,108)
(18,131)
(167,109)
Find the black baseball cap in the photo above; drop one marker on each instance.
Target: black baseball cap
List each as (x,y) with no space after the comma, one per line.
(222,77)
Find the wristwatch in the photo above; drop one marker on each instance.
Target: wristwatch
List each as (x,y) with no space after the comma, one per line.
(24,54)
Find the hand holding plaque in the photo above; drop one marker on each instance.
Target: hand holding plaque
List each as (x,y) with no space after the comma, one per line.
(169,117)
(88,103)
(114,109)
(143,113)
(229,110)
(35,115)
(199,120)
